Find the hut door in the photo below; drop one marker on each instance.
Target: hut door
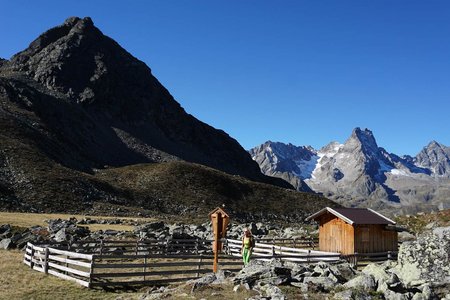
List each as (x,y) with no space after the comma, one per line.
(336,238)
(365,238)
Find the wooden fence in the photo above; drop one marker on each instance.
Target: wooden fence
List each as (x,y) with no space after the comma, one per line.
(154,262)
(269,251)
(359,260)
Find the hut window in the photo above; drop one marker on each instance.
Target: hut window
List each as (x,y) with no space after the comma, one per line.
(365,234)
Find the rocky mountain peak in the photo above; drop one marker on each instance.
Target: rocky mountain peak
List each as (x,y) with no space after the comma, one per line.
(91,69)
(365,139)
(433,145)
(436,157)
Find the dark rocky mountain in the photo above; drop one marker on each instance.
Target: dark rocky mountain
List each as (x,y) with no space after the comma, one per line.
(360,173)
(75,103)
(74,77)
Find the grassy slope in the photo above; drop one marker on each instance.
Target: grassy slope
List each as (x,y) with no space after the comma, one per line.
(417,223)
(177,187)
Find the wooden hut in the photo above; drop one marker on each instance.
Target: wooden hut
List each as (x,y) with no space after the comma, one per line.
(354,230)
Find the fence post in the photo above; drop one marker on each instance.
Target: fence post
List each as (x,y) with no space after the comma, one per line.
(355,260)
(389,256)
(309,253)
(145,266)
(199,265)
(167,245)
(32,257)
(91,271)
(137,246)
(46,260)
(273,250)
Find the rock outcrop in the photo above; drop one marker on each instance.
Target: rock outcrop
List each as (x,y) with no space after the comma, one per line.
(427,259)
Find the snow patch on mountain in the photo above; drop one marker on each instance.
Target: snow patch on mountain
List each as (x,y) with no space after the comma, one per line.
(324,155)
(306,167)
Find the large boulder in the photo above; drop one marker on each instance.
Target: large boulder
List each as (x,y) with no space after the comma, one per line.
(322,284)
(425,260)
(378,272)
(272,272)
(343,272)
(362,281)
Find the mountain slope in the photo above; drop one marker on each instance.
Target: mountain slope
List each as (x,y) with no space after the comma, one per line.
(73,76)
(360,173)
(86,127)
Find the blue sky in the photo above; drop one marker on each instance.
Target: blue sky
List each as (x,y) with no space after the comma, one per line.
(305,72)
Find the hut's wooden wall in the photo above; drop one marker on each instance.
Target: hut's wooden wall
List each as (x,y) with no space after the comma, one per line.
(374,238)
(335,235)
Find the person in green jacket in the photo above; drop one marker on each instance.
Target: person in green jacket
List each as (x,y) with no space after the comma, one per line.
(248,242)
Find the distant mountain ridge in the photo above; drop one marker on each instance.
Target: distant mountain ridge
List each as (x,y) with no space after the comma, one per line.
(360,173)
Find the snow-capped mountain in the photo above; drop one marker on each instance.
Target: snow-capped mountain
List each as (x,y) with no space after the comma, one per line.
(360,173)
(292,163)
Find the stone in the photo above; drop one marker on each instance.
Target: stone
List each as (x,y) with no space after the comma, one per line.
(6,244)
(362,281)
(378,272)
(405,236)
(203,281)
(391,295)
(272,272)
(441,231)
(343,271)
(61,236)
(271,291)
(5,229)
(111,232)
(324,283)
(344,295)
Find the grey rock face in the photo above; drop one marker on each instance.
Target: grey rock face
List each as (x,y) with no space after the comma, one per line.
(291,163)
(436,158)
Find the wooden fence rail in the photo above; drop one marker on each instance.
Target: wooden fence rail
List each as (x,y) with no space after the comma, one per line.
(122,263)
